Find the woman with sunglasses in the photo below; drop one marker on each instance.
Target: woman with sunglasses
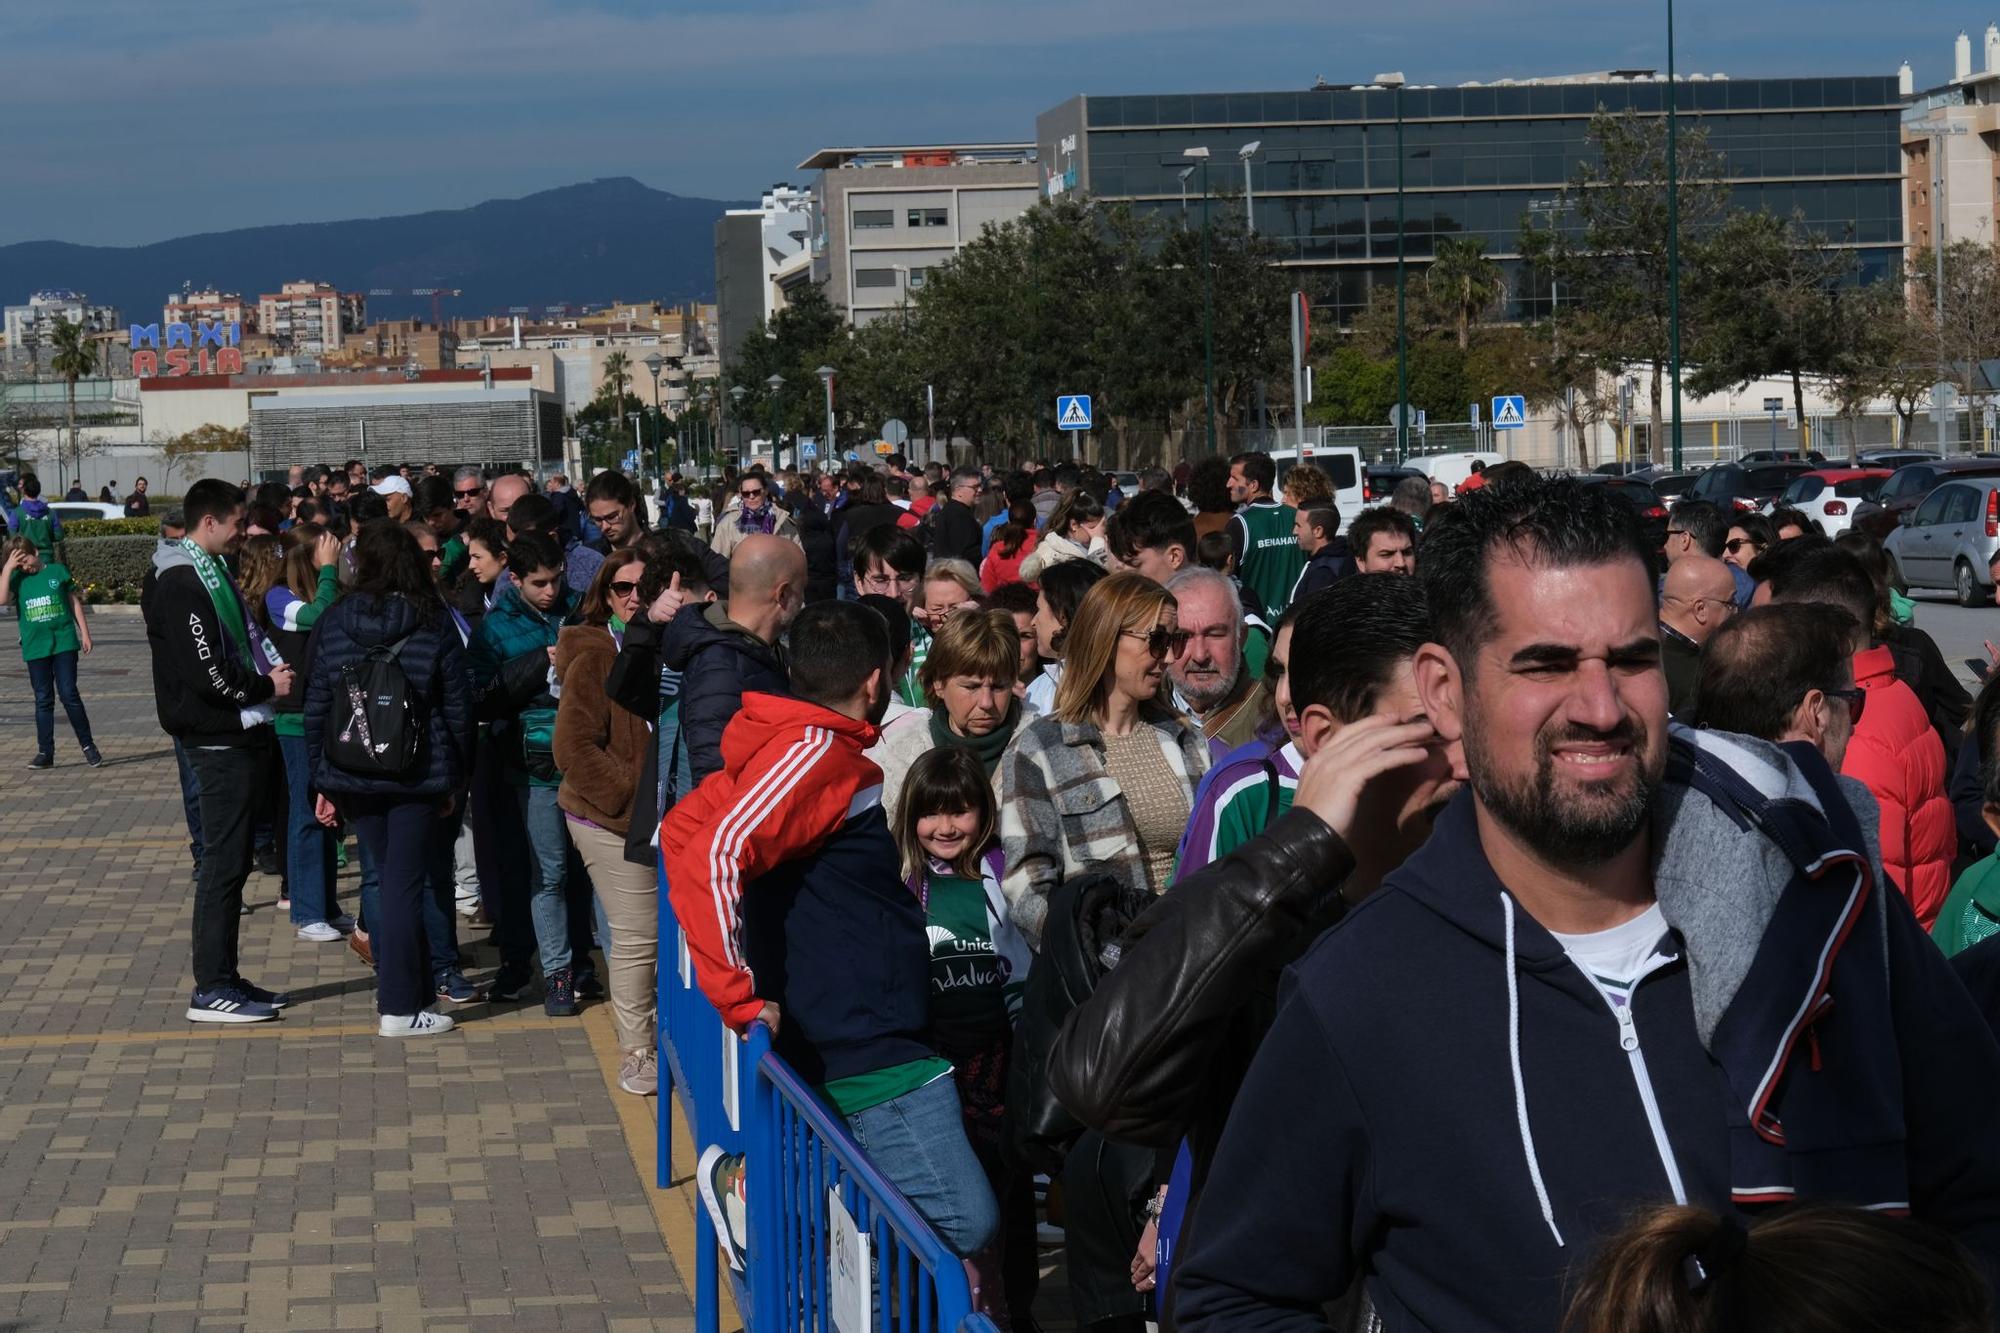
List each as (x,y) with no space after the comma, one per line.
(1749,537)
(599,748)
(753,509)
(1105,781)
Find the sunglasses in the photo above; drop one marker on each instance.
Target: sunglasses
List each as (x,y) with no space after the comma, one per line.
(624,587)
(1737,544)
(1160,641)
(467,495)
(751,494)
(437,556)
(1857,699)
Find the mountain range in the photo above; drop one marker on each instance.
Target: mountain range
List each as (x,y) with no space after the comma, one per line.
(613,239)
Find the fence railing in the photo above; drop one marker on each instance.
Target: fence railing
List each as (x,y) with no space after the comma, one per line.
(832,1243)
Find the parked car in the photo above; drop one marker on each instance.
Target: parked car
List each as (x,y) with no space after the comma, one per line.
(1452,469)
(1949,540)
(1906,488)
(1623,467)
(1828,496)
(1671,486)
(1895,458)
(1643,500)
(1813,456)
(1342,464)
(1743,488)
(1379,480)
(69,511)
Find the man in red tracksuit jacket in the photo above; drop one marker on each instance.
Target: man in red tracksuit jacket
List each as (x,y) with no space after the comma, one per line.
(786,881)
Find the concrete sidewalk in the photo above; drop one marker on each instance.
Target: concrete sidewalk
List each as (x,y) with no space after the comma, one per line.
(303,1174)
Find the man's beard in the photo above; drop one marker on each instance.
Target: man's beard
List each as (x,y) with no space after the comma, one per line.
(1567,829)
(1204,696)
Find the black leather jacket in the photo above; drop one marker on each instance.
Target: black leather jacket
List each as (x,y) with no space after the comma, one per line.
(1159,1048)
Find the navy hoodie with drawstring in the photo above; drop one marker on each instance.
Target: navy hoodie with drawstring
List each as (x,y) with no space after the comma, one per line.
(1448,1110)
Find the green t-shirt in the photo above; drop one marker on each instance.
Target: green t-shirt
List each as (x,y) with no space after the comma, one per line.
(910,687)
(47,627)
(1972,911)
(862,1092)
(1272,559)
(969,984)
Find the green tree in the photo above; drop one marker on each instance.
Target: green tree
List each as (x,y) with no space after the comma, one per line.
(808,333)
(188,452)
(1611,256)
(76,355)
(1352,388)
(1464,283)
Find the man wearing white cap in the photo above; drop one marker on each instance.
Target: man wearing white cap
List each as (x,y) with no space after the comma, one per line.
(395,489)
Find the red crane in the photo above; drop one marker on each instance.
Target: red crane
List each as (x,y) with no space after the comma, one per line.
(437,295)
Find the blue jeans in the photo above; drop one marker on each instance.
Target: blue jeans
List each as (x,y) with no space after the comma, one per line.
(309,868)
(190,800)
(548,874)
(50,677)
(440,932)
(395,836)
(918,1141)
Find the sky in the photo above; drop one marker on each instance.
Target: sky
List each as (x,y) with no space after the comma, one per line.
(123,122)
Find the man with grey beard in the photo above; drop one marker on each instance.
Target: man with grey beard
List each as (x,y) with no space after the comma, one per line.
(1632,966)
(1208,674)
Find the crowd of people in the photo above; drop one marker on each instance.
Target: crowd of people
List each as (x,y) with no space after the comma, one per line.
(1455,914)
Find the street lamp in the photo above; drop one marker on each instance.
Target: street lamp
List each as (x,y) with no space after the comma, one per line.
(1673,235)
(1244,154)
(1396,81)
(655,363)
(737,393)
(1199,156)
(1185,172)
(825,374)
(775,384)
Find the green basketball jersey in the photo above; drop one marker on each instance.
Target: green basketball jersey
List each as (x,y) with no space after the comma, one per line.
(1271,556)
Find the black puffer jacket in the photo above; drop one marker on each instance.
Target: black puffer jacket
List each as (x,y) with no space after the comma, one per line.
(719,662)
(1159,1048)
(818,538)
(433,661)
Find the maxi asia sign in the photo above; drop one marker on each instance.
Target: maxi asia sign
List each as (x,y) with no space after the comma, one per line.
(205,348)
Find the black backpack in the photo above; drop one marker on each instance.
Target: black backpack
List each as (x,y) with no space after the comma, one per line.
(375,725)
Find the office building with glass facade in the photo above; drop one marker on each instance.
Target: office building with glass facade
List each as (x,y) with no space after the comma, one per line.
(1477,160)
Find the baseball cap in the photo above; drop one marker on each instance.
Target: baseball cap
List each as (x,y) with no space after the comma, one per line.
(392,485)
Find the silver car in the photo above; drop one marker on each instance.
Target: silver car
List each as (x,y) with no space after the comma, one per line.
(1949,540)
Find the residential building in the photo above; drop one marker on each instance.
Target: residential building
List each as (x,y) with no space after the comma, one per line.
(1951,150)
(308,316)
(30,327)
(759,253)
(884,217)
(1478,159)
(396,343)
(217,307)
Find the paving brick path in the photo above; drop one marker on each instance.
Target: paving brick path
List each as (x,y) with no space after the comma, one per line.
(303,1174)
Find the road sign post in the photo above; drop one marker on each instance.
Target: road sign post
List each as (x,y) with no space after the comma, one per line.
(1944,409)
(1073,415)
(1510,411)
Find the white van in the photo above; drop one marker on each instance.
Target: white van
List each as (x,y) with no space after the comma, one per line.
(1451,469)
(1342,463)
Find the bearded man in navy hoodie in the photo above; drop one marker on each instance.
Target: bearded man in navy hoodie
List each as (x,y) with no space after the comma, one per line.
(1634,964)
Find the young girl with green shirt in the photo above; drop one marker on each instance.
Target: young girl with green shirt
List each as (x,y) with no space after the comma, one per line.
(53,634)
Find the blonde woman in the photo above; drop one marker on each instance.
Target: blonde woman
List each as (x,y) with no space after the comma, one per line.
(1106,781)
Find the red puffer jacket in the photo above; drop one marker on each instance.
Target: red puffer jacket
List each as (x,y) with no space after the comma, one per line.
(1896,752)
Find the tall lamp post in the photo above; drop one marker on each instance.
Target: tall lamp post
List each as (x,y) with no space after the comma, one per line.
(825,374)
(737,393)
(655,363)
(1199,155)
(1673,235)
(1396,81)
(776,385)
(1243,155)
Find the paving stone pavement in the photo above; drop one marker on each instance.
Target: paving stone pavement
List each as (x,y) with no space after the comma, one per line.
(303,1174)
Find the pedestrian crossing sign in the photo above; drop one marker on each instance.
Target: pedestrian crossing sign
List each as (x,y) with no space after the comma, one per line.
(1073,411)
(1510,412)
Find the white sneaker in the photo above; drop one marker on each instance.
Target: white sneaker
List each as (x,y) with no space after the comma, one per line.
(319,932)
(425,1024)
(469,907)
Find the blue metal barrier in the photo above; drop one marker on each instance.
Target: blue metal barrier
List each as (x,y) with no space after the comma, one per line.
(738,1093)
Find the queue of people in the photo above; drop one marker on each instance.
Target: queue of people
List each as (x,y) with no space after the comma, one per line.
(1472,919)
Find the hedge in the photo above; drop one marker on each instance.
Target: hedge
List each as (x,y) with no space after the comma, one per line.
(109,569)
(112,527)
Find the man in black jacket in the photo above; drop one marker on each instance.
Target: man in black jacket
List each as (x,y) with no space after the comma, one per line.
(214,676)
(954,530)
(724,649)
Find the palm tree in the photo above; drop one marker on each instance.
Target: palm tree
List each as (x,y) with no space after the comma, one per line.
(76,355)
(1462,280)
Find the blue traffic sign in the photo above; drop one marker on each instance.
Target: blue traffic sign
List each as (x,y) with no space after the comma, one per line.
(1073,411)
(1510,411)
(808,450)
